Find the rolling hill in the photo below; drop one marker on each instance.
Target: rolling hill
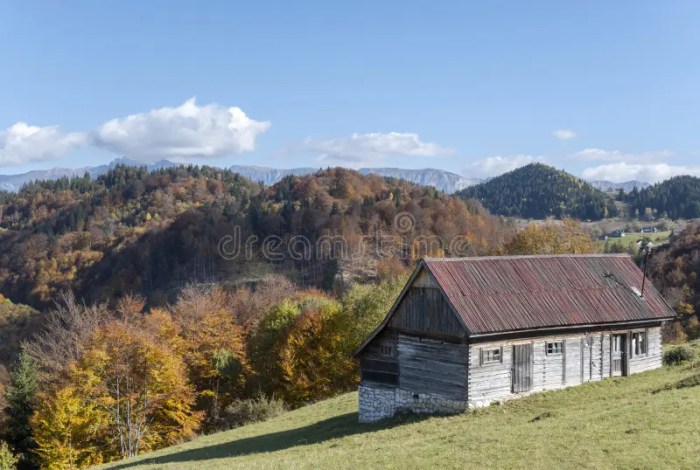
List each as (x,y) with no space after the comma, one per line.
(538,191)
(642,421)
(677,198)
(149,232)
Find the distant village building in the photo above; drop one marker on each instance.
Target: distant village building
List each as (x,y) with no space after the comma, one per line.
(617,234)
(649,230)
(470,331)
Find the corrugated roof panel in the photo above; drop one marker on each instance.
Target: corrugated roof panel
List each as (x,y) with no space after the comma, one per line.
(493,294)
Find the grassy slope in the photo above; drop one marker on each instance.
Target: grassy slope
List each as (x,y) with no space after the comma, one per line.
(629,422)
(630,240)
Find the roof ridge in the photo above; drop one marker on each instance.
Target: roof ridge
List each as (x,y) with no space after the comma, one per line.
(496,257)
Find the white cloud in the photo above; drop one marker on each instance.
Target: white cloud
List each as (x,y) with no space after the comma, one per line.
(596,154)
(564,134)
(651,173)
(362,148)
(494,166)
(186,131)
(22,143)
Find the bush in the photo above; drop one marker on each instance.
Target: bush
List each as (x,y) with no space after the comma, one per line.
(7,460)
(250,410)
(678,355)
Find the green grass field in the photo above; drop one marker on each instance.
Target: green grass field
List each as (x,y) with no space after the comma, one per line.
(649,420)
(630,241)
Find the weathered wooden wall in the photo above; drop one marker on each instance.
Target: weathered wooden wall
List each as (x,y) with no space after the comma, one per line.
(378,367)
(424,310)
(580,361)
(433,367)
(652,360)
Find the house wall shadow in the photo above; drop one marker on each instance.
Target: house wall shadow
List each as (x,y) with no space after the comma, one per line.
(332,428)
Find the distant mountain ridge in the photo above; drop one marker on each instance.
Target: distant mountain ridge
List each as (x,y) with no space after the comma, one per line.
(626,186)
(269,176)
(440,179)
(13,183)
(443,180)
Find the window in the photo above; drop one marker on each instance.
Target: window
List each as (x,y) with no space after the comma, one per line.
(555,347)
(639,343)
(617,343)
(387,350)
(490,356)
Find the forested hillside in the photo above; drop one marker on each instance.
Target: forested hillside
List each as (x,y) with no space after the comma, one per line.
(131,231)
(675,269)
(538,191)
(675,198)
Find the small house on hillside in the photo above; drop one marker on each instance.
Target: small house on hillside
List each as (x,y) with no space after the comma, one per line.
(470,331)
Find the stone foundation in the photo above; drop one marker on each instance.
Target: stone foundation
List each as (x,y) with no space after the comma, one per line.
(377,403)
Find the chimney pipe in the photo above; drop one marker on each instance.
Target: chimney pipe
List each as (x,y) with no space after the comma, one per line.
(647,249)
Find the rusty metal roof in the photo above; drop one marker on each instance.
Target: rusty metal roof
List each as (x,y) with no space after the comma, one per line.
(499,294)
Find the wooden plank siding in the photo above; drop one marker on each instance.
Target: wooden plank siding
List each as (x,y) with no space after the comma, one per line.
(433,367)
(584,358)
(379,364)
(650,360)
(455,369)
(424,310)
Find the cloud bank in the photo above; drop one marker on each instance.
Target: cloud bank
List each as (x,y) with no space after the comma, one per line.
(597,154)
(185,131)
(494,166)
(362,148)
(651,173)
(22,143)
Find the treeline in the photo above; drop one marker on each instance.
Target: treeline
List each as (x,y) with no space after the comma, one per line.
(675,198)
(538,191)
(131,231)
(100,383)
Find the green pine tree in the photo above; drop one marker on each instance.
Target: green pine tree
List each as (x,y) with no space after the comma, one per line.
(21,398)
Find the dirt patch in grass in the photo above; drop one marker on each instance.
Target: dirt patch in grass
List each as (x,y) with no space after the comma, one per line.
(544,415)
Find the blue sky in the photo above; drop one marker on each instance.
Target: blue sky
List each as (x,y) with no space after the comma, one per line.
(602,89)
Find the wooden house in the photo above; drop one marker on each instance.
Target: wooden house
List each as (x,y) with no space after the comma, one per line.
(466,332)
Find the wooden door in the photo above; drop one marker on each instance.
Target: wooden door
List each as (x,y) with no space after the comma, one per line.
(522,368)
(619,355)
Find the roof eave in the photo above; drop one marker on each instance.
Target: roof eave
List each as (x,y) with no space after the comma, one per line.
(570,327)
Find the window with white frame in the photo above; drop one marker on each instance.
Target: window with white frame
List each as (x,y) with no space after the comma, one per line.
(491,355)
(554,347)
(639,343)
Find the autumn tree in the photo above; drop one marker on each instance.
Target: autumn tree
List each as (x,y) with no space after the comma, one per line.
(213,347)
(249,304)
(366,305)
(312,360)
(265,344)
(70,432)
(301,350)
(140,385)
(67,329)
(551,239)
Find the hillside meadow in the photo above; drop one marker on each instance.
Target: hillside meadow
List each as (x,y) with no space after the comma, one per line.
(648,420)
